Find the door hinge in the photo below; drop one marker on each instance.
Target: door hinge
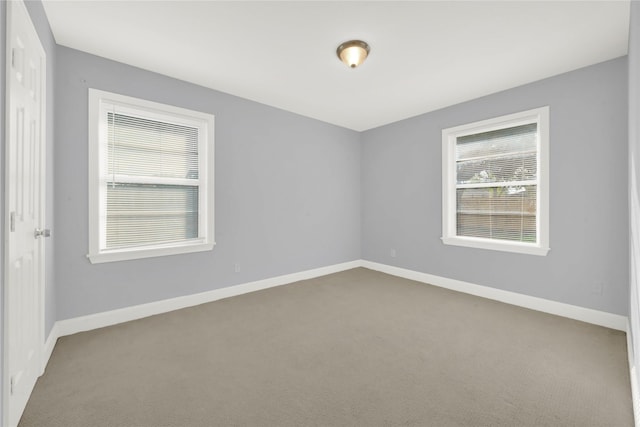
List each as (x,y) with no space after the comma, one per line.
(13,57)
(13,381)
(12,225)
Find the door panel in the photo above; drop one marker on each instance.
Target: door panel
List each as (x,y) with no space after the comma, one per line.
(24,200)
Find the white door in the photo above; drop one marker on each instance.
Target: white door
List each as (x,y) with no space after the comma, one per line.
(24,201)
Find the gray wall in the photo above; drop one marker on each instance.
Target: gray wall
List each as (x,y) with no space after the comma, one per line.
(287,193)
(402,190)
(634,176)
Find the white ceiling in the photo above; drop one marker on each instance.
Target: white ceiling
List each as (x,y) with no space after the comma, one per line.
(425,55)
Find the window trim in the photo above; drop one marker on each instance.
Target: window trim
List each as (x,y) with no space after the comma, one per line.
(449,139)
(97,151)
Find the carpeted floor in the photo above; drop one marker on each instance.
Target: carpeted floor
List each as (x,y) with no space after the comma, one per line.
(357,348)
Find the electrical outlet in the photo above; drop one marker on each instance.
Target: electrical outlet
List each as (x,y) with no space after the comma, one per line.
(597,289)
(236,267)
(393,253)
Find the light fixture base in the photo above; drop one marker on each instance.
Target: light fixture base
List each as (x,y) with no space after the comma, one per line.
(353,53)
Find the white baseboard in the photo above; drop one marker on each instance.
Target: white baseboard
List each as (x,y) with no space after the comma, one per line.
(49,345)
(108,318)
(609,320)
(633,378)
(634,395)
(113,317)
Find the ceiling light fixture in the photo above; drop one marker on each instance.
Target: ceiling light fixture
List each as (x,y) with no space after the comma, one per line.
(353,52)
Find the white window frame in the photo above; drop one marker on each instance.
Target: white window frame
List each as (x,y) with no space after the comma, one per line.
(449,200)
(99,103)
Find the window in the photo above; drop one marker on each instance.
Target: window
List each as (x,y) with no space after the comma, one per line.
(495,183)
(150,179)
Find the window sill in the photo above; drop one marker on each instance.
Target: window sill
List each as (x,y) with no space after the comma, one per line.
(147,252)
(514,247)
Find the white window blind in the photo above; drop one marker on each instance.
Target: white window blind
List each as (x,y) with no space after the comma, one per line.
(495,183)
(151,178)
(152,182)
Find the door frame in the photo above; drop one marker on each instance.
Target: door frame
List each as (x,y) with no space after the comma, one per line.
(40,273)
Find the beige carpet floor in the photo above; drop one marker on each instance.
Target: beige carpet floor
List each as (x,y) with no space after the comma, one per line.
(357,348)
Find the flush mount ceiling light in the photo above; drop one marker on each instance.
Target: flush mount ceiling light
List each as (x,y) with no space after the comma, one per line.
(353,52)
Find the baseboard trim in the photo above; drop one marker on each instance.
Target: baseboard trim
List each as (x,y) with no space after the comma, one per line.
(108,318)
(601,318)
(634,395)
(113,317)
(633,377)
(49,345)
(74,325)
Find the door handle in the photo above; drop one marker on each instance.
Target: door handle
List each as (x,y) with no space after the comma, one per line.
(42,232)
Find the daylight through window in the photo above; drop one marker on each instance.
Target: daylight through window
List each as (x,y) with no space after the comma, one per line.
(495,183)
(153,184)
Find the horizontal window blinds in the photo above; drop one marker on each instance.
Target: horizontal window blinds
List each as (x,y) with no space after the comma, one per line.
(143,147)
(496,184)
(152,182)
